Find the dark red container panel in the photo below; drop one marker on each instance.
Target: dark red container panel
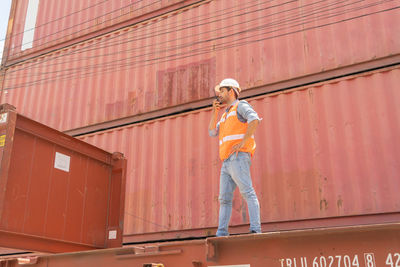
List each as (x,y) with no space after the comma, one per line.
(359,246)
(58,193)
(177,60)
(60,23)
(326,155)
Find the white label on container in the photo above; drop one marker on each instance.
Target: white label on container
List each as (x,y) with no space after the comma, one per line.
(112,234)
(243,265)
(30,24)
(62,162)
(3,117)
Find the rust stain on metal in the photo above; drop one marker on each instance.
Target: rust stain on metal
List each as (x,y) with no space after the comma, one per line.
(323,204)
(339,203)
(192,81)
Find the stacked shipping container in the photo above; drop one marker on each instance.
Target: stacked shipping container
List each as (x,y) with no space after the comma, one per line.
(321,159)
(62,23)
(323,151)
(57,193)
(340,246)
(183,55)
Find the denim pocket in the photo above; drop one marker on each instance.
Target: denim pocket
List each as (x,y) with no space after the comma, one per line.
(244,155)
(244,161)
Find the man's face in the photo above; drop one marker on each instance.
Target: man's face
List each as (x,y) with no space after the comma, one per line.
(223,95)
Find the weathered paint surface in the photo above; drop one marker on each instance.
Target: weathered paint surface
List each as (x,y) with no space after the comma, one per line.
(359,246)
(58,194)
(323,152)
(178,59)
(367,246)
(60,21)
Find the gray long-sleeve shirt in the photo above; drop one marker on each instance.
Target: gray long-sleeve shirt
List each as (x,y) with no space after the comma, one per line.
(245,113)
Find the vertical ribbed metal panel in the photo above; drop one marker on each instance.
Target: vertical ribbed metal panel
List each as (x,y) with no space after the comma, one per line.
(178,59)
(58,194)
(60,21)
(164,175)
(326,151)
(18,28)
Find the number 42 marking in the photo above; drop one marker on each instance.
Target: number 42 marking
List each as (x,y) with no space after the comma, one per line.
(393,261)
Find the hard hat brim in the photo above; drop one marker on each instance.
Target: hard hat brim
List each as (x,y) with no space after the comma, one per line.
(218,89)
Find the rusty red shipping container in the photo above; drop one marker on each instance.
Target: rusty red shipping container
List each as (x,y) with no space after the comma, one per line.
(326,155)
(358,246)
(177,60)
(58,194)
(60,23)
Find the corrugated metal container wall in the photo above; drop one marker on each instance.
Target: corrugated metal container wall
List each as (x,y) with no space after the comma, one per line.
(180,58)
(327,151)
(60,21)
(363,245)
(58,193)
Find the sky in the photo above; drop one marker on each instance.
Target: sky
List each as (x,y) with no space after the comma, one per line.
(4,14)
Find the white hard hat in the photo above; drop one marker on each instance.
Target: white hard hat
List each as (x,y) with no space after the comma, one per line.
(229,83)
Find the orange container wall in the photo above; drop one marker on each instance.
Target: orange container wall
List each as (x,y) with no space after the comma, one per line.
(326,155)
(58,193)
(178,59)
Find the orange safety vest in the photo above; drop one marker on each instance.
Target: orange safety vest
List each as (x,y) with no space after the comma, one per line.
(231,132)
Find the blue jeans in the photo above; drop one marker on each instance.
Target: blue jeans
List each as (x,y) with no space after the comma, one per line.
(235,171)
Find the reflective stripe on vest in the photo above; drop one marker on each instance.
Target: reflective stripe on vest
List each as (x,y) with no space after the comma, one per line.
(231,132)
(233,137)
(232,113)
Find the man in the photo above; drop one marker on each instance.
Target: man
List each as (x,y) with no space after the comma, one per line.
(236,146)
